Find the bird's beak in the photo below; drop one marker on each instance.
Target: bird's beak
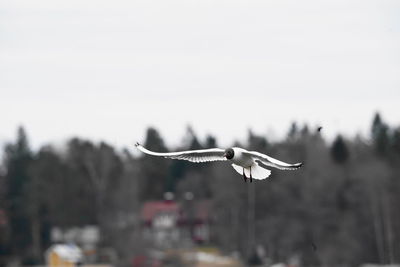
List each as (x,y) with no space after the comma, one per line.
(224,155)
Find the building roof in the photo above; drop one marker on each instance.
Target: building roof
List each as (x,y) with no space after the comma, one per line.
(153,208)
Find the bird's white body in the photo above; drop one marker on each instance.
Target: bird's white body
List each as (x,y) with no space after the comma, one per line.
(245,164)
(242,159)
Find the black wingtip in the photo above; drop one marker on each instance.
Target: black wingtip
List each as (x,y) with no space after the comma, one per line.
(137,144)
(299,165)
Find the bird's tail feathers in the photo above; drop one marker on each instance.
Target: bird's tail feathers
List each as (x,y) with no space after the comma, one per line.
(257,172)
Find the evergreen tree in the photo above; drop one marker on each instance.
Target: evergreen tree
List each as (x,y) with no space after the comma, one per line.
(179,168)
(257,142)
(18,158)
(44,196)
(339,150)
(155,169)
(396,141)
(293,131)
(79,189)
(211,142)
(380,136)
(190,140)
(305,132)
(49,190)
(154,140)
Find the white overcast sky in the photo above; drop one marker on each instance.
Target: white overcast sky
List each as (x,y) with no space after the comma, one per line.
(106,70)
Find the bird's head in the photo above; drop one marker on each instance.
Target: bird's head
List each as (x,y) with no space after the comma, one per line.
(229,153)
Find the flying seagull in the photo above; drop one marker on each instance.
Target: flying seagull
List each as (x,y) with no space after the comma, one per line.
(250,164)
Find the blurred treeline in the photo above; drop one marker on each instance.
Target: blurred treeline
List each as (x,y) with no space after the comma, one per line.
(342,208)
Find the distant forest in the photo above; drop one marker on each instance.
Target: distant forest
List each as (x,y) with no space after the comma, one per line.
(341,209)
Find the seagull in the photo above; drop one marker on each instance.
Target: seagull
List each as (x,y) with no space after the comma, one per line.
(250,164)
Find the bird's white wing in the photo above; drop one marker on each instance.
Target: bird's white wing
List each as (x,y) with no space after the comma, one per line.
(202,155)
(269,161)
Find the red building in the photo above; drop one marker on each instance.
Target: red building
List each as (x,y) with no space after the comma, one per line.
(168,222)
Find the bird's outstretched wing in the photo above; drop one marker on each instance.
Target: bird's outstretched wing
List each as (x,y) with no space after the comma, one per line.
(202,155)
(269,161)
